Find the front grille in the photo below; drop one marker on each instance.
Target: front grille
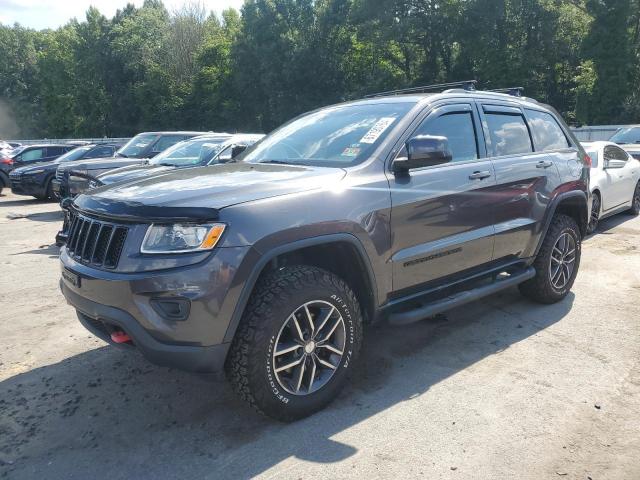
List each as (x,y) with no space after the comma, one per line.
(15,176)
(59,174)
(94,242)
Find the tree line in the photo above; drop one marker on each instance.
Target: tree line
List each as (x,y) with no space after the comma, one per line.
(148,68)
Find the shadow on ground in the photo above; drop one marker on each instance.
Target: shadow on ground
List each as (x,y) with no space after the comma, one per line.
(26,202)
(109,414)
(53,251)
(610,223)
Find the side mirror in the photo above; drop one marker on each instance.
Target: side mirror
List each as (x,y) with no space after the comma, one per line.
(613,163)
(423,151)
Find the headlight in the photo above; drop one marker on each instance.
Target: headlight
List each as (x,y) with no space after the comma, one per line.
(35,172)
(181,238)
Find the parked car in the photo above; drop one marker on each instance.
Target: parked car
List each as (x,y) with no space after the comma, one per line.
(615,181)
(629,139)
(136,151)
(197,152)
(37,179)
(28,155)
(392,207)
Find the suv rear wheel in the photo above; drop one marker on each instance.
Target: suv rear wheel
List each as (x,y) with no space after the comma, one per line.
(557,262)
(298,338)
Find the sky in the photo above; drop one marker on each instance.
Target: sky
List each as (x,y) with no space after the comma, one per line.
(41,14)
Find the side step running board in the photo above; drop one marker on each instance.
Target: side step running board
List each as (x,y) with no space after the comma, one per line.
(438,306)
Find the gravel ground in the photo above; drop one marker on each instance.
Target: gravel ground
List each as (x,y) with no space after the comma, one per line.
(502,388)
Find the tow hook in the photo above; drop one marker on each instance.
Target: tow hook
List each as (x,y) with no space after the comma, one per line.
(120,337)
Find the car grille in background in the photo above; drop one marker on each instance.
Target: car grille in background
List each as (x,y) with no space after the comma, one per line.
(95,242)
(59,174)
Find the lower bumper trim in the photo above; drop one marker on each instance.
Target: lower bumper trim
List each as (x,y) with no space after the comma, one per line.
(98,319)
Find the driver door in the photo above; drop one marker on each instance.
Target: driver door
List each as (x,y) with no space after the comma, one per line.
(441,216)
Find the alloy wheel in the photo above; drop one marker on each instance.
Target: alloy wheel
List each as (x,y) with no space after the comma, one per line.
(562,261)
(309,347)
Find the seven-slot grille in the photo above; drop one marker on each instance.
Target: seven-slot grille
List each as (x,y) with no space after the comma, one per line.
(95,242)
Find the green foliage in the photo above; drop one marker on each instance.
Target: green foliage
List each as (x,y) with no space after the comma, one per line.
(149,68)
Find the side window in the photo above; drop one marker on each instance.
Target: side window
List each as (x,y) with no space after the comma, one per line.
(615,153)
(547,134)
(224,156)
(99,152)
(508,133)
(32,155)
(165,142)
(53,151)
(458,128)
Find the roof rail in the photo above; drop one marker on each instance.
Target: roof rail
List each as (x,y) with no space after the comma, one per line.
(468,85)
(513,91)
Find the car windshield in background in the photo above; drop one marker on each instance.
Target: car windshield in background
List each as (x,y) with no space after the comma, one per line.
(137,145)
(191,152)
(332,137)
(626,135)
(74,154)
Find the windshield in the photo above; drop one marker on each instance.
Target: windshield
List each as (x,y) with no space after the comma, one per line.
(337,136)
(14,153)
(74,154)
(626,135)
(189,152)
(137,145)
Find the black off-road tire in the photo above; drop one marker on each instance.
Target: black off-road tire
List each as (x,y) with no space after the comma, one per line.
(635,202)
(540,288)
(275,298)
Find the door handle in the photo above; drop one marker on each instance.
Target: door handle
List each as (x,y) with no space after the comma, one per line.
(480,175)
(544,164)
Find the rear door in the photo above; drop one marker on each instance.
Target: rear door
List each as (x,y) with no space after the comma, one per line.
(441,215)
(526,174)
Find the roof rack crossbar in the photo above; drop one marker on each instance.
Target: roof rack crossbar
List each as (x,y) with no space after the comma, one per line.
(513,91)
(465,84)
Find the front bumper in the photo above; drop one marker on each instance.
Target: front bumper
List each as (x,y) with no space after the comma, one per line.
(128,301)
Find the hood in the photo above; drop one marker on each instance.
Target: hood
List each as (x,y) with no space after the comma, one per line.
(213,187)
(132,172)
(630,146)
(101,163)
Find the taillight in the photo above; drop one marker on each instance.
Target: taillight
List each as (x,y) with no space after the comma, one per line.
(6,161)
(587,160)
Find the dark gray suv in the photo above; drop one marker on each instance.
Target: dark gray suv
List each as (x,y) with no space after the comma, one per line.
(393,207)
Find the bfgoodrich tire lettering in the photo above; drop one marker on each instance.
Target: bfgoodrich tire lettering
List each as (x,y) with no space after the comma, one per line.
(250,365)
(544,287)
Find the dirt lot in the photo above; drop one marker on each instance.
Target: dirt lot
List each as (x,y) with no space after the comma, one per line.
(502,388)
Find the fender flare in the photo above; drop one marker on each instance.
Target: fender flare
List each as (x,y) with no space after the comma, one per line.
(551,211)
(265,258)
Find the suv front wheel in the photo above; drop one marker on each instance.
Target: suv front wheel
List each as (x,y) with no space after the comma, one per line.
(557,262)
(297,341)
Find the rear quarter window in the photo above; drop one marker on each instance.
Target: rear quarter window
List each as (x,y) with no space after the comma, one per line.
(547,134)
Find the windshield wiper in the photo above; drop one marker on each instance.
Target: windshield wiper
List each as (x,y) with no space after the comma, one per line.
(277,162)
(166,164)
(122,155)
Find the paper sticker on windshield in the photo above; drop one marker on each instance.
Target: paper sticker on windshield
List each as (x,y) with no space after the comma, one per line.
(374,132)
(351,152)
